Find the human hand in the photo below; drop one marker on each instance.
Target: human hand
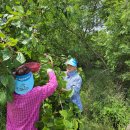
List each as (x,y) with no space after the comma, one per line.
(64,90)
(49,70)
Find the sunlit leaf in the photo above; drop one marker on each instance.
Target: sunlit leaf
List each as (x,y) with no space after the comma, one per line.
(20,57)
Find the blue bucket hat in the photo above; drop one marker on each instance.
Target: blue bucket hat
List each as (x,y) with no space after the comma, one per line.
(72,62)
(24,83)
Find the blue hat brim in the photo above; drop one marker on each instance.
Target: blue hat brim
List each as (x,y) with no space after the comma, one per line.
(24,83)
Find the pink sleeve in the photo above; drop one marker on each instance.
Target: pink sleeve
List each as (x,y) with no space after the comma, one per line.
(48,89)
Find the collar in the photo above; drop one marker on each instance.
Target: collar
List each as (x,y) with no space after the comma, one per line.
(72,73)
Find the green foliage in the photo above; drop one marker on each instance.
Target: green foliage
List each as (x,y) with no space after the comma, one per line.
(57,111)
(2,109)
(94,32)
(105,109)
(116,111)
(112,41)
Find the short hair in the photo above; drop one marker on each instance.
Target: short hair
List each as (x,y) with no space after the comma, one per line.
(22,70)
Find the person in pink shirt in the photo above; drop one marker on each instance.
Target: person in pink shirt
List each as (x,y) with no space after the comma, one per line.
(23,112)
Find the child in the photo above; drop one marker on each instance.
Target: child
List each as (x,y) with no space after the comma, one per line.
(23,112)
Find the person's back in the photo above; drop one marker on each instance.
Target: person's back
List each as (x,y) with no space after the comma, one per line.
(23,112)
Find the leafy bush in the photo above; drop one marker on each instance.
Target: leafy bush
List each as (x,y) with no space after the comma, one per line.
(104,108)
(116,111)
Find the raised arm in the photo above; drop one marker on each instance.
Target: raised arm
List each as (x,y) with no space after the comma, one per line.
(48,89)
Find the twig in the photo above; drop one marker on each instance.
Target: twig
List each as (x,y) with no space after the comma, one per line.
(60,102)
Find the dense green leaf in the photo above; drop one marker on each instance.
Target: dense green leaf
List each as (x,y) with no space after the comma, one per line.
(6,54)
(20,57)
(4,79)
